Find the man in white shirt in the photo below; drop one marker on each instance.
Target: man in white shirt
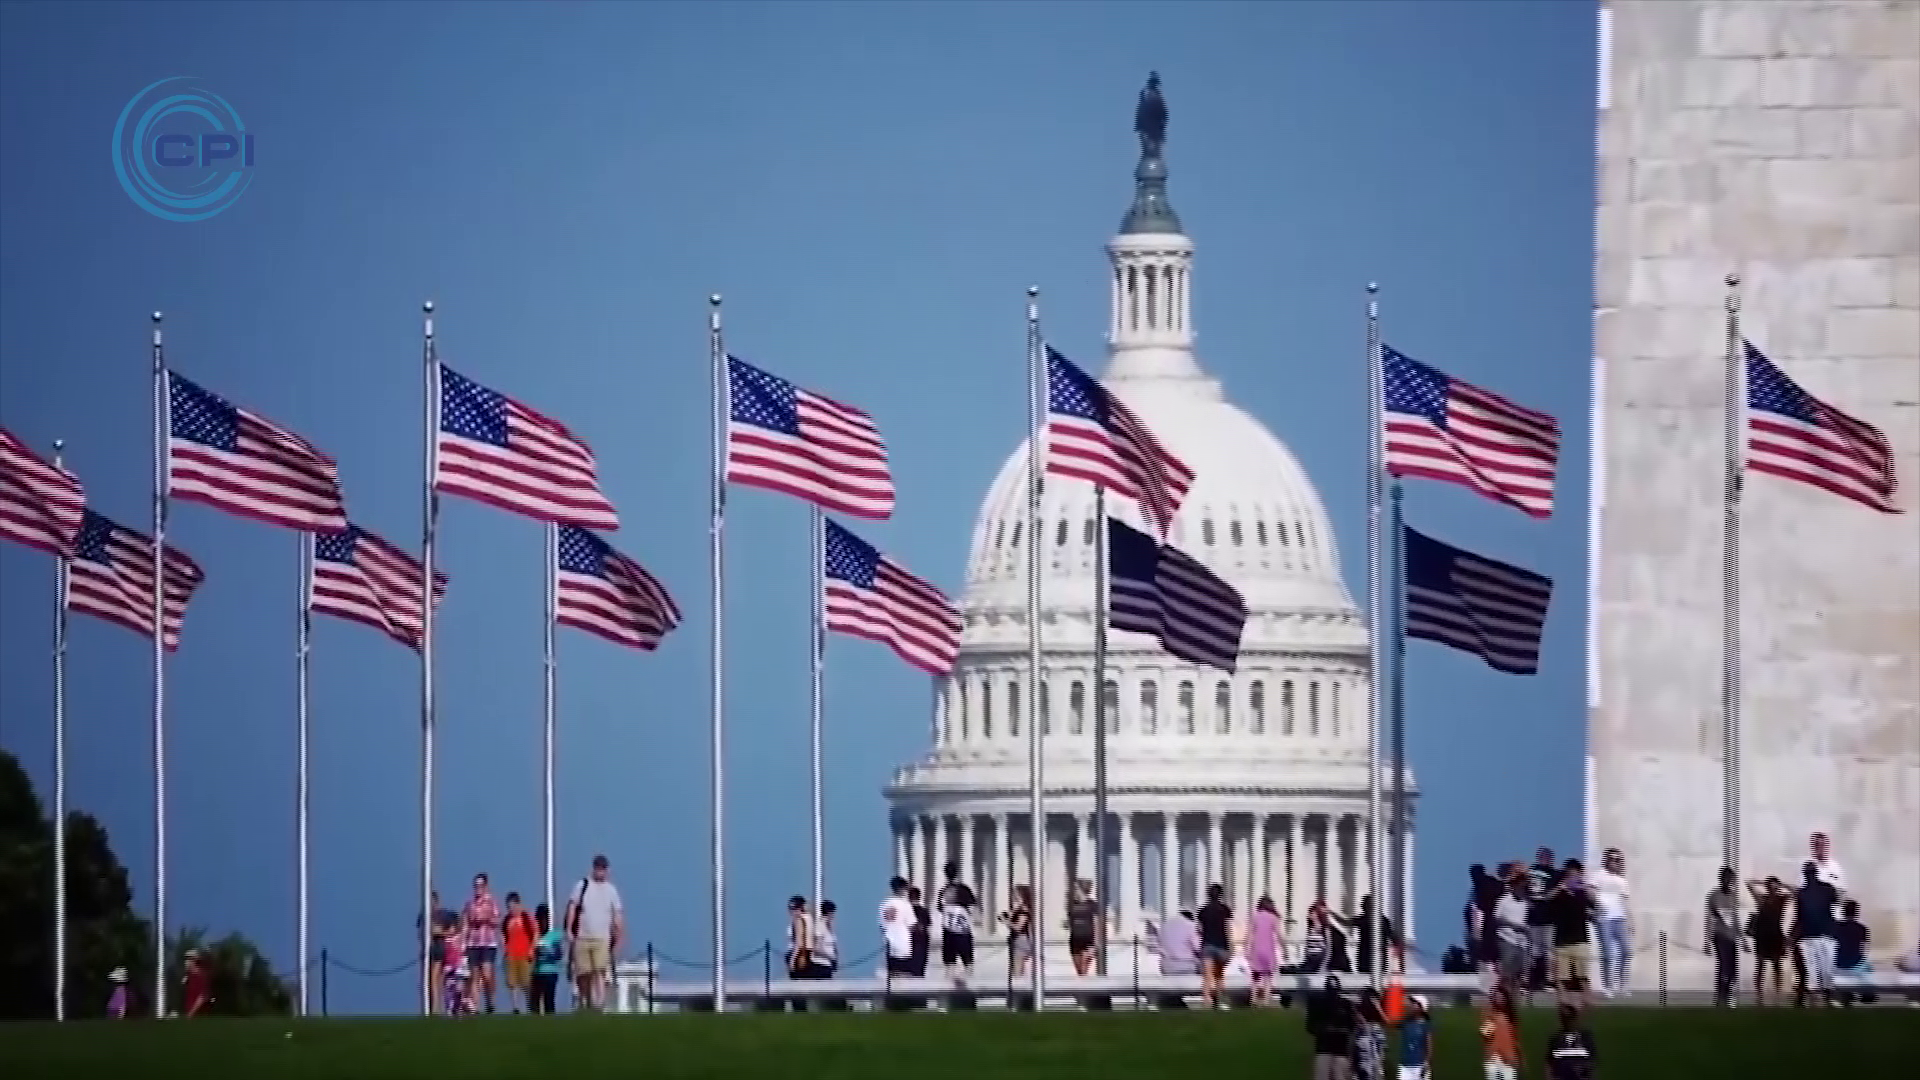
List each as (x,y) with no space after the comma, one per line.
(1510,923)
(1826,865)
(896,928)
(595,924)
(1611,895)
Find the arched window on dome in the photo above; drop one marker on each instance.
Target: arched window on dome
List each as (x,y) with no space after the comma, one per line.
(1013,709)
(1280,533)
(942,703)
(1206,531)
(1077,708)
(1299,534)
(1149,707)
(960,712)
(1223,708)
(1333,706)
(986,708)
(1089,533)
(1060,534)
(1233,532)
(1313,707)
(1186,708)
(1110,705)
(1046,709)
(1000,535)
(1286,707)
(1257,708)
(1133,298)
(1260,533)
(1153,295)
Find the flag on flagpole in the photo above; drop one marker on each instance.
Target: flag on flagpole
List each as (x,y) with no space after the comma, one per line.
(1093,436)
(41,504)
(1443,428)
(233,460)
(606,593)
(787,439)
(498,451)
(358,576)
(869,595)
(111,577)
(1478,605)
(1163,592)
(1792,434)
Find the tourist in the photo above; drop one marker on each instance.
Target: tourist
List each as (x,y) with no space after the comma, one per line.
(1331,1023)
(1570,1051)
(549,953)
(1018,919)
(1316,952)
(1767,934)
(1541,877)
(1499,1038)
(1361,926)
(518,932)
(957,903)
(1828,868)
(1083,918)
(1612,899)
(1179,940)
(596,922)
(799,939)
(922,933)
(482,916)
(437,923)
(1263,948)
(1510,926)
(1416,1040)
(196,991)
(1369,1037)
(896,929)
(456,994)
(1482,944)
(1723,937)
(1215,920)
(1572,907)
(117,1001)
(826,943)
(1850,939)
(1813,930)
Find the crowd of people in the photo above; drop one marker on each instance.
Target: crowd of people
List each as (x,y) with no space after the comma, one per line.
(466,948)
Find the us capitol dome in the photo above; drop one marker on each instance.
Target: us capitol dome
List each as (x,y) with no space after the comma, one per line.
(1255,779)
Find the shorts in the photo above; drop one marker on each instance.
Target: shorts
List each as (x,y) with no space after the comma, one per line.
(1216,957)
(481,955)
(591,956)
(1570,964)
(899,966)
(1500,1070)
(1515,959)
(437,950)
(519,972)
(1080,943)
(1414,1072)
(956,950)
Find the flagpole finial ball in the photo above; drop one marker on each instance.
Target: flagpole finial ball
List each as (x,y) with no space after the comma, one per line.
(157,316)
(1372,287)
(427,307)
(1033,291)
(714,299)
(59,445)
(1733,281)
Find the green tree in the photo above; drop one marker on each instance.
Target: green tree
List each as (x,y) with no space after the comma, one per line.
(103,932)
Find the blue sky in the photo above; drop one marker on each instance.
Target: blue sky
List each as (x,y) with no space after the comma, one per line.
(872,187)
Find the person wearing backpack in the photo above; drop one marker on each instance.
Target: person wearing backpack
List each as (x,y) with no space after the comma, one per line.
(518,933)
(595,924)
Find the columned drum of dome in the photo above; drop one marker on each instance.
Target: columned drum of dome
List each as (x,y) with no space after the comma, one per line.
(1256,780)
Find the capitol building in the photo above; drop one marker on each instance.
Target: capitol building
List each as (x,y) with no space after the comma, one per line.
(1256,779)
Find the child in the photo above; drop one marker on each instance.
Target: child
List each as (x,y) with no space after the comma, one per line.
(1370,1040)
(1570,1054)
(1498,1037)
(457,991)
(549,952)
(117,1001)
(1416,1041)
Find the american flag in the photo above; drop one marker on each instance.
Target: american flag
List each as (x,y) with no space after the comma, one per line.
(794,441)
(1793,434)
(1093,437)
(1475,604)
(232,460)
(111,577)
(604,592)
(1165,593)
(1445,429)
(358,576)
(41,505)
(496,450)
(869,595)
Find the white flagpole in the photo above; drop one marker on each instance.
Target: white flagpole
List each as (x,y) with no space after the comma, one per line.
(549,691)
(303,646)
(59,775)
(160,482)
(716,532)
(1376,620)
(1730,689)
(1100,876)
(1036,795)
(1402,816)
(817,703)
(429,526)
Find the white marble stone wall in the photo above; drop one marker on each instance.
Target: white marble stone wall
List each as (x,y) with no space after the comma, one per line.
(1779,140)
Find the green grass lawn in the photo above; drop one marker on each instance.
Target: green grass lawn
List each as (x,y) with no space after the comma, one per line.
(1634,1044)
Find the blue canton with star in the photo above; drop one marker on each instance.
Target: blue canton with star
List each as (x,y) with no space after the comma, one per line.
(1414,388)
(470,410)
(1769,390)
(91,544)
(197,416)
(337,547)
(1072,392)
(851,559)
(763,400)
(581,552)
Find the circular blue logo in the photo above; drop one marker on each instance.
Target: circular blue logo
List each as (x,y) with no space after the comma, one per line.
(181,152)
